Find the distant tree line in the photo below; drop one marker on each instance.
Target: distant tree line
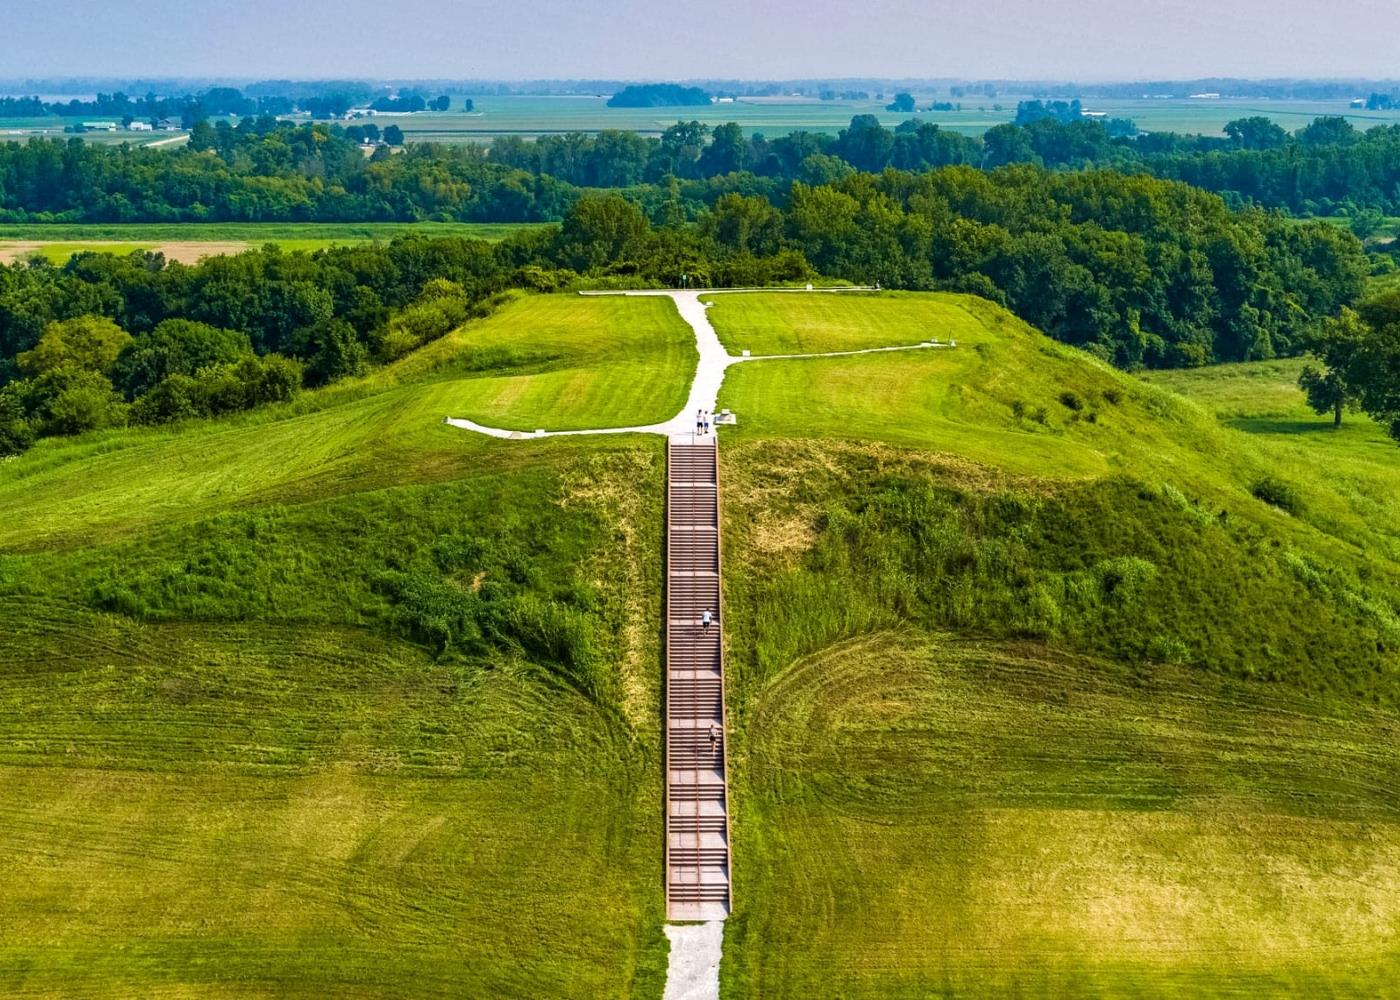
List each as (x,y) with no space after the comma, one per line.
(217,101)
(658,95)
(274,170)
(414,102)
(1067,113)
(223,102)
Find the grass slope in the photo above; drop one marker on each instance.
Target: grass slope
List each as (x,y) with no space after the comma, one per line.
(927,816)
(559,362)
(394,743)
(336,700)
(1030,693)
(1358,462)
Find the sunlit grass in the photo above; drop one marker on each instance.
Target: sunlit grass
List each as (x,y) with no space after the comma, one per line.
(816,322)
(1030,693)
(924,816)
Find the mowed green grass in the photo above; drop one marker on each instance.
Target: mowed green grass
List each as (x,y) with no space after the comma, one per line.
(1031,696)
(812,323)
(1025,700)
(613,361)
(1008,398)
(227,768)
(928,816)
(258,811)
(1357,463)
(558,362)
(956,399)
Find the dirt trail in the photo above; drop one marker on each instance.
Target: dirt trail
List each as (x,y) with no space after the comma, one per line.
(186,252)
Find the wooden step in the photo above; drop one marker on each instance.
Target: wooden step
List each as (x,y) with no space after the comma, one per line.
(697,797)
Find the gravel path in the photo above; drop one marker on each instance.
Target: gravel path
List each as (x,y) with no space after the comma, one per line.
(693,970)
(705,384)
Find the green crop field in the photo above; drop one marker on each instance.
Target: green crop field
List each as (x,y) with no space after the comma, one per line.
(1030,694)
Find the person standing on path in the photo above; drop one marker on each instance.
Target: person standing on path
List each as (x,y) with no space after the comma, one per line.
(707,421)
(705,620)
(699,421)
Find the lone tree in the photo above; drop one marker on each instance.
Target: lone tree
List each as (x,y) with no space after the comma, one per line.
(1339,384)
(1360,352)
(1378,364)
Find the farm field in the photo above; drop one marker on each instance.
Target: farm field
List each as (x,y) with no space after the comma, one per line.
(1029,693)
(541,115)
(187,242)
(534,115)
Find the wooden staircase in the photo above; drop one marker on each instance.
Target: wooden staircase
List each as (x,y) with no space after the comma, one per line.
(697,795)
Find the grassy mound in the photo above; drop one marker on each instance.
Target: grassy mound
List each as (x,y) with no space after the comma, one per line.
(1034,688)
(399,742)
(561,362)
(338,701)
(1038,691)
(1068,502)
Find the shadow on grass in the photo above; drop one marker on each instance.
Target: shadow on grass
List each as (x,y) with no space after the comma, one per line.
(1279,425)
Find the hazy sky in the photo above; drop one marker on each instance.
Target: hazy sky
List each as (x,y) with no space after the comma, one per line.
(754,39)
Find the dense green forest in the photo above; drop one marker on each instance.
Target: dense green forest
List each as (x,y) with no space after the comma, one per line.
(1141,271)
(264,169)
(1138,271)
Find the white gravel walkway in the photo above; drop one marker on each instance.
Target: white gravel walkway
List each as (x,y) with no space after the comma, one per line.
(693,972)
(705,384)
